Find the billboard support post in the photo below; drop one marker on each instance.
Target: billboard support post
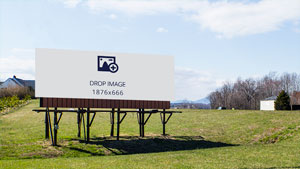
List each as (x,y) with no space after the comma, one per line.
(46,124)
(118,124)
(88,125)
(143,124)
(119,121)
(84,133)
(142,121)
(139,121)
(164,124)
(50,126)
(79,117)
(112,121)
(55,126)
(164,121)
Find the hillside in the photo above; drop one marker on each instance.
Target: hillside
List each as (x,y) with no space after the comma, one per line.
(197,139)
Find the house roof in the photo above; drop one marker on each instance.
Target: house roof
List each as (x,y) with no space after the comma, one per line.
(271,98)
(17,82)
(30,83)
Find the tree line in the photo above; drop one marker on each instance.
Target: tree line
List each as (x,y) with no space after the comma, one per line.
(246,94)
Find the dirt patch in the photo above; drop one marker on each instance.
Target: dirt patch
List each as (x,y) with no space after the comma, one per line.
(42,154)
(267,133)
(47,151)
(252,126)
(274,135)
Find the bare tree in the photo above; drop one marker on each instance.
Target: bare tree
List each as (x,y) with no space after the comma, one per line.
(246,94)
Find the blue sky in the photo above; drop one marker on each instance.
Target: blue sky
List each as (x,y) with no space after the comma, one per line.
(212,41)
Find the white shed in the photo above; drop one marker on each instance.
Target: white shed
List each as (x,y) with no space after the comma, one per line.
(268,103)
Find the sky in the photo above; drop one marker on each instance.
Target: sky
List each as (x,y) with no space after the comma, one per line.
(212,41)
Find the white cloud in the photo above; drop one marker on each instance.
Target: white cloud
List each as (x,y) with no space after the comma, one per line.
(113,16)
(71,3)
(132,7)
(226,18)
(194,84)
(20,63)
(297,30)
(238,19)
(162,30)
(296,26)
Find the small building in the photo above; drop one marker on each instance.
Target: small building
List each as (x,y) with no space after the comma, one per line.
(295,100)
(268,103)
(16,82)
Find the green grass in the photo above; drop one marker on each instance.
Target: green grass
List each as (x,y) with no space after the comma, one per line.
(197,139)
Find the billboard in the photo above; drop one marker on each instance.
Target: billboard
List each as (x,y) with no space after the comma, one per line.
(103,75)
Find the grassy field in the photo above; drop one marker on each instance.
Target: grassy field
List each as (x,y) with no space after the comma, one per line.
(197,139)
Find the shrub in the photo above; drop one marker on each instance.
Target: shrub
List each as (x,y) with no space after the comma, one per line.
(12,101)
(21,92)
(27,97)
(283,101)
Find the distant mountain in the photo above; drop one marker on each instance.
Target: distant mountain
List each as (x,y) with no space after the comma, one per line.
(182,101)
(202,101)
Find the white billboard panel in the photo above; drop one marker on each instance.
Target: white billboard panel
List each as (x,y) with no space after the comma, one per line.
(103,75)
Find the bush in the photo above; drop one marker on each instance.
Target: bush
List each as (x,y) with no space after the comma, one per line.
(13,101)
(283,101)
(27,97)
(21,92)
